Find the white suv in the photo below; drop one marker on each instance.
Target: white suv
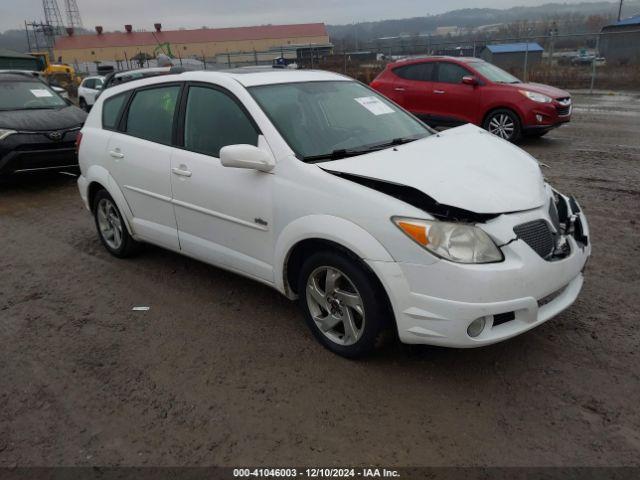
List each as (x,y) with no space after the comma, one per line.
(316,185)
(88,91)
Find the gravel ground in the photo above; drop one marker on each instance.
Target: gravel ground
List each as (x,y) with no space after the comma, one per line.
(222,370)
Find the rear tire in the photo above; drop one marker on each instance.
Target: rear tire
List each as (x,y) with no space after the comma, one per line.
(111,227)
(504,123)
(343,303)
(83,105)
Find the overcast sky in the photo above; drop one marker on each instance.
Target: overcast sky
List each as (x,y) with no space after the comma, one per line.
(113,14)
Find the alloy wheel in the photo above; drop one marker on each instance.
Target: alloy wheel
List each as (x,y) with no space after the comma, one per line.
(109,223)
(335,305)
(502,125)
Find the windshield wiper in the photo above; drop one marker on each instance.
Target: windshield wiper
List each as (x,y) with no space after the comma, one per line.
(353,152)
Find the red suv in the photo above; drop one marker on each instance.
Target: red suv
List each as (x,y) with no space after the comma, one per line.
(448,91)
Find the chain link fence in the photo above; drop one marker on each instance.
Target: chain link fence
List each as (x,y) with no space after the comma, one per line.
(608,60)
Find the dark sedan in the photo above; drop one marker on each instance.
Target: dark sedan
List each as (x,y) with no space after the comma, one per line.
(38,128)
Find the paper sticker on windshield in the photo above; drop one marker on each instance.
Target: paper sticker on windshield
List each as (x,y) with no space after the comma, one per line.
(41,92)
(375,105)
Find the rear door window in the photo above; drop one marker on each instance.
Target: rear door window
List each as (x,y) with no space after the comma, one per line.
(419,72)
(451,72)
(151,114)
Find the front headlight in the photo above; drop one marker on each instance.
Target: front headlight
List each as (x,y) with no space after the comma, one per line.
(5,133)
(536,97)
(456,242)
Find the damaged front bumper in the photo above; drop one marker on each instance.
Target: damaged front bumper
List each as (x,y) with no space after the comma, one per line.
(435,304)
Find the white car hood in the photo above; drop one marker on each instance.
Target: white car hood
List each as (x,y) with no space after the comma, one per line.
(464,167)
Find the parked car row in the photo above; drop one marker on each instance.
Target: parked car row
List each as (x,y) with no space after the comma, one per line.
(39,124)
(327,191)
(330,193)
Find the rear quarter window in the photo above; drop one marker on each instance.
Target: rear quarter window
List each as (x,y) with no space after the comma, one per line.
(111,109)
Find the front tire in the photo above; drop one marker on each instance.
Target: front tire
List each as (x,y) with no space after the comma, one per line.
(504,124)
(344,304)
(111,228)
(83,105)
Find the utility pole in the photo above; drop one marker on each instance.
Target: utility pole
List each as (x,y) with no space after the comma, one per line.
(26,30)
(620,10)
(356,34)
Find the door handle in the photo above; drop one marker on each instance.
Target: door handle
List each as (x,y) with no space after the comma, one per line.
(182,172)
(399,89)
(116,154)
(439,92)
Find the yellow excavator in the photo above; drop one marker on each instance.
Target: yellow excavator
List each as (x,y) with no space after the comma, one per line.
(58,74)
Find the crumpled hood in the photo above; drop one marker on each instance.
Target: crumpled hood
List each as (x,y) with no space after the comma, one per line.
(42,119)
(464,167)
(548,90)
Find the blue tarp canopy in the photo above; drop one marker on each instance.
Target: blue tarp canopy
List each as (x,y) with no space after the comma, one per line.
(515,47)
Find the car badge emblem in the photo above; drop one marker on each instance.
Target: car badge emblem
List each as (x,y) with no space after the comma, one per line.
(55,136)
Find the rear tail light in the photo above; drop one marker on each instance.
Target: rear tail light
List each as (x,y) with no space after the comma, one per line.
(78,140)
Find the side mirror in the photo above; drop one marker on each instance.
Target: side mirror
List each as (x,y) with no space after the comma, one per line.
(246,156)
(470,80)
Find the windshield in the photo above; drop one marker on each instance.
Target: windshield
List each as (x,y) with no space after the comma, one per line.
(332,120)
(493,73)
(26,95)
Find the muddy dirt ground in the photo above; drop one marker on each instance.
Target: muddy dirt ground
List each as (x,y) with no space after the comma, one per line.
(222,370)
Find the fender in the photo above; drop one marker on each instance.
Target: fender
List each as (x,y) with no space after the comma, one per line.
(101,175)
(325,227)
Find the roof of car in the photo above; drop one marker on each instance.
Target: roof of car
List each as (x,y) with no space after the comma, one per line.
(254,76)
(412,60)
(16,75)
(123,73)
(246,78)
(281,75)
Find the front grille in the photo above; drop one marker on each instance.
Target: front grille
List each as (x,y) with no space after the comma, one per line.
(537,234)
(49,158)
(564,107)
(45,147)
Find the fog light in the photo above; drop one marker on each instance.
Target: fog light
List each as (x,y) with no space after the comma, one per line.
(476,327)
(539,118)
